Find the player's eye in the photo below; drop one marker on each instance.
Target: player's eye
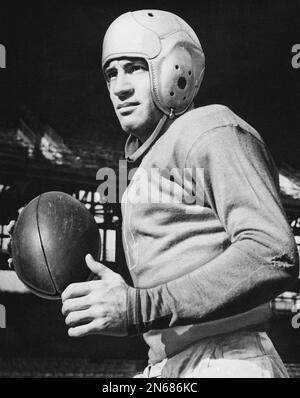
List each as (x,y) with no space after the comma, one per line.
(136,67)
(110,74)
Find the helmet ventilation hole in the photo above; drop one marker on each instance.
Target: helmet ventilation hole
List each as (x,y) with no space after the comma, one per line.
(181,83)
(176,66)
(150,14)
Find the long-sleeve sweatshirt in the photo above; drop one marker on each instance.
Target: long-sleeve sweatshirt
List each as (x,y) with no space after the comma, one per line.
(209,247)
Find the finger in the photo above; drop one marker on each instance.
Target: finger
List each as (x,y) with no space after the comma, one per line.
(82,330)
(10,263)
(10,227)
(96,267)
(9,247)
(77,290)
(78,317)
(75,304)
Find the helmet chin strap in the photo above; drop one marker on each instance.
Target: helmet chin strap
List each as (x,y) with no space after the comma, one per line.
(160,125)
(140,150)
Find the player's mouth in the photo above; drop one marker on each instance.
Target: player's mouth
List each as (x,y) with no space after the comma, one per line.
(127,107)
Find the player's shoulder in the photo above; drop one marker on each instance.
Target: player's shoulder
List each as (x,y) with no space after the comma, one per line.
(202,120)
(207,126)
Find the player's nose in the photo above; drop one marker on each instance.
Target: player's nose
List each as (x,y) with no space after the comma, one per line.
(123,86)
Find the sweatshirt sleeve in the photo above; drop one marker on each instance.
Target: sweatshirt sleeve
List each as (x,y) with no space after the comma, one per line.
(241,187)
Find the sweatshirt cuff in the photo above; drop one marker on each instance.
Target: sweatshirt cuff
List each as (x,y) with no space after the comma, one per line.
(133,311)
(146,310)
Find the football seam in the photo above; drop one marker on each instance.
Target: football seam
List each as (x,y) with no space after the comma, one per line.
(43,249)
(41,294)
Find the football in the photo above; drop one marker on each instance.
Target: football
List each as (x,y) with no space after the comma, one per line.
(50,240)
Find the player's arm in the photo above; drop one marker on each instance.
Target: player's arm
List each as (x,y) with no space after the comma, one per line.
(260,263)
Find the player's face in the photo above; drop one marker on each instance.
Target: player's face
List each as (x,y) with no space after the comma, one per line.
(130,93)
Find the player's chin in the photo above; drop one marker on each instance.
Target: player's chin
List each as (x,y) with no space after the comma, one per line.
(132,122)
(127,126)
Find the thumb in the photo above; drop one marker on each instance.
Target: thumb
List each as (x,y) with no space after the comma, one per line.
(94,266)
